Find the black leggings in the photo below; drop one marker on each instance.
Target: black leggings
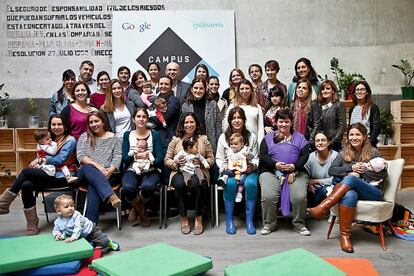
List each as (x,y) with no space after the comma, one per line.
(181,193)
(30,180)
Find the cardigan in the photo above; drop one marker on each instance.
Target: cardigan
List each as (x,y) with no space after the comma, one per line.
(212,122)
(176,145)
(111,118)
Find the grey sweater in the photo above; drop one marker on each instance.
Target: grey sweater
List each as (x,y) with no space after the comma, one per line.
(319,171)
(107,151)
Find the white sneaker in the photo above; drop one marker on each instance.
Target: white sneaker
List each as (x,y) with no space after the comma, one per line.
(239,197)
(303,231)
(267,230)
(222,180)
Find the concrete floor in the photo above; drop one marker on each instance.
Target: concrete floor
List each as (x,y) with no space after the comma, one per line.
(225,249)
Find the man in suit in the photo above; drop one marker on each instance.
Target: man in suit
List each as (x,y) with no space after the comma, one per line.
(180,88)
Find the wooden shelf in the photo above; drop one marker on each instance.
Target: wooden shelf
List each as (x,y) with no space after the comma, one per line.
(7,139)
(5,182)
(23,159)
(25,139)
(389,152)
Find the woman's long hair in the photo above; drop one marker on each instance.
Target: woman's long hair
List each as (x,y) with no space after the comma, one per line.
(368,98)
(312,77)
(91,134)
(67,75)
(109,105)
(180,131)
(229,131)
(365,154)
(321,100)
(306,105)
(49,126)
(252,99)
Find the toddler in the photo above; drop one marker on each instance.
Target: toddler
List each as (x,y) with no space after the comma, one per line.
(190,153)
(71,225)
(277,138)
(45,147)
(238,156)
(141,165)
(147,95)
(160,108)
(277,102)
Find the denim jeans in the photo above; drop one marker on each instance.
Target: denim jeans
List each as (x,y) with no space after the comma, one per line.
(131,182)
(99,188)
(250,187)
(360,190)
(314,198)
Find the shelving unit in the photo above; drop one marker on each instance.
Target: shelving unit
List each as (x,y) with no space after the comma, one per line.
(17,150)
(403,112)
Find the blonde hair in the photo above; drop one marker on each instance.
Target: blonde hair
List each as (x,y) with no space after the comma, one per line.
(252,98)
(365,154)
(109,105)
(59,199)
(306,105)
(236,137)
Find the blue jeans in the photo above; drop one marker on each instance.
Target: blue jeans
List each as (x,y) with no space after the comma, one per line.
(360,190)
(131,182)
(250,187)
(316,197)
(99,188)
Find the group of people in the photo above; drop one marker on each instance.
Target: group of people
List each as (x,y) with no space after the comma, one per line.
(142,131)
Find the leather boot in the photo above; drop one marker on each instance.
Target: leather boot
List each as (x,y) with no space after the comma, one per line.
(346,216)
(229,207)
(133,213)
(115,201)
(250,206)
(32,221)
(5,200)
(142,212)
(323,208)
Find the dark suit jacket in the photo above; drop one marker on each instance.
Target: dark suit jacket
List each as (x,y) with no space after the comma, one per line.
(181,91)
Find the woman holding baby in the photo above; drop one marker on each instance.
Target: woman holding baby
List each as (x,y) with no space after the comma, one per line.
(361,172)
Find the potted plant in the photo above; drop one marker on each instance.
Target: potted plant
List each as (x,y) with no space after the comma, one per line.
(33,119)
(407,70)
(4,107)
(386,118)
(344,80)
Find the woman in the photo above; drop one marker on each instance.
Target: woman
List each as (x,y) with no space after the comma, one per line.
(317,166)
(99,154)
(237,124)
(98,98)
(75,115)
(364,111)
(304,70)
(189,127)
(117,110)
(146,182)
(135,90)
(62,97)
(357,181)
(236,76)
(306,114)
(288,155)
(34,179)
(272,69)
(154,73)
(201,71)
(246,99)
(123,76)
(333,120)
(205,110)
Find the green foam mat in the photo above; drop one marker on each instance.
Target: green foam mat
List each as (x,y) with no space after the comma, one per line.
(293,262)
(34,251)
(155,259)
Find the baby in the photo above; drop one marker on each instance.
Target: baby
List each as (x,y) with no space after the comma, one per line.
(238,156)
(190,153)
(277,138)
(160,108)
(71,225)
(46,147)
(141,165)
(376,164)
(147,95)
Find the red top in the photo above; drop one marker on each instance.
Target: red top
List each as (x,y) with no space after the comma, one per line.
(78,122)
(97,100)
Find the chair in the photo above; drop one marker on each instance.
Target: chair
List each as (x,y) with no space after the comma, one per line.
(377,211)
(217,187)
(70,188)
(116,190)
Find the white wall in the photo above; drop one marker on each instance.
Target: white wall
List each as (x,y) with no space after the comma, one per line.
(366,36)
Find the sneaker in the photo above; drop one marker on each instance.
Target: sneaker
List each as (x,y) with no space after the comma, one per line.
(303,231)
(222,181)
(267,230)
(113,245)
(239,197)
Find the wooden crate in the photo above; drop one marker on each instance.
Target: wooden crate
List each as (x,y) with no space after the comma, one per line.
(24,158)
(7,139)
(407,179)
(347,104)
(8,160)
(24,139)
(6,182)
(389,152)
(403,111)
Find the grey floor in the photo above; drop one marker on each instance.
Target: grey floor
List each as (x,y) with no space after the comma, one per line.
(225,249)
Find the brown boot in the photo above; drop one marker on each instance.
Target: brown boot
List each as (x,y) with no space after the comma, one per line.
(5,200)
(32,221)
(133,213)
(115,201)
(323,208)
(346,216)
(142,213)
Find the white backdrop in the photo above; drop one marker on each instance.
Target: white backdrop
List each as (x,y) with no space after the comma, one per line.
(210,34)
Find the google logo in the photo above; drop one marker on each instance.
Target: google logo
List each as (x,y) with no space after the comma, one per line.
(138,27)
